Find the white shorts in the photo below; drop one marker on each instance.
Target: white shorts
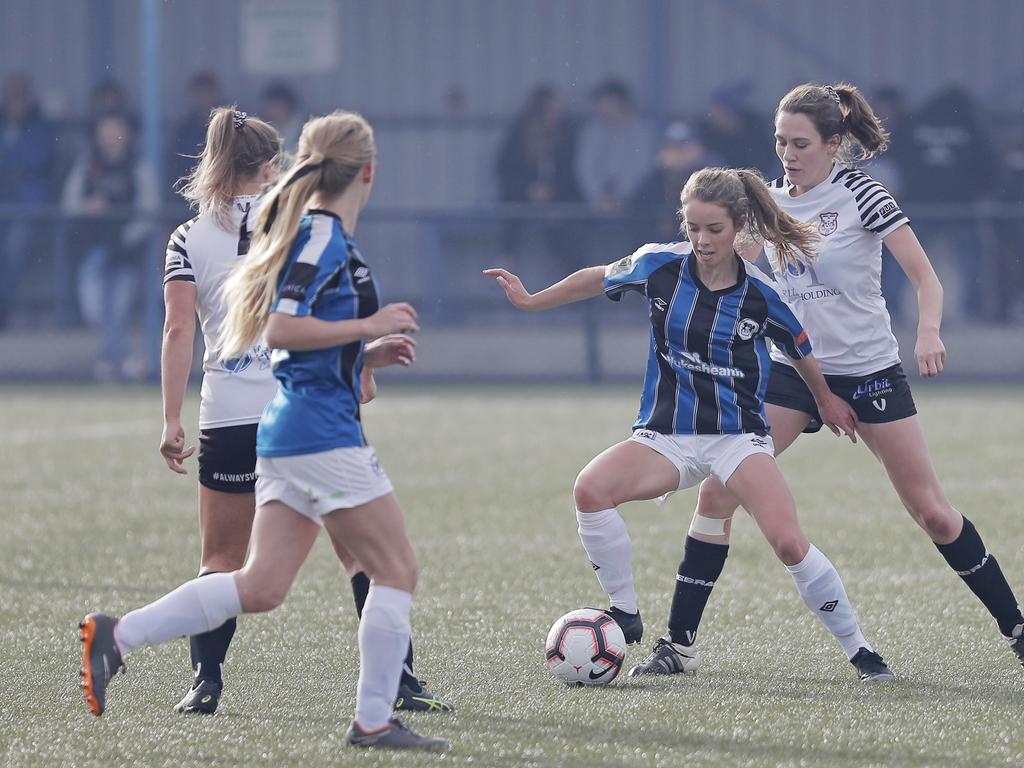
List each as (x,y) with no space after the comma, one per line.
(698,456)
(314,484)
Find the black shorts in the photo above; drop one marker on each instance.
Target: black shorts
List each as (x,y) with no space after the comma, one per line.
(227,458)
(876,398)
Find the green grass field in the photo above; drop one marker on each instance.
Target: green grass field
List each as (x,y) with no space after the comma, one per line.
(93,520)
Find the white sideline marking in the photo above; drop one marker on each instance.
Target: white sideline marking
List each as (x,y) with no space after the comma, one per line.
(98,431)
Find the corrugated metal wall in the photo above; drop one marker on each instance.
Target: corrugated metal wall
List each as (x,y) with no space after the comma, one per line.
(399,59)
(401,56)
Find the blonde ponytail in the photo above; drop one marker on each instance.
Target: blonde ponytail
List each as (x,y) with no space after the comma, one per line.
(249,290)
(767,221)
(332,150)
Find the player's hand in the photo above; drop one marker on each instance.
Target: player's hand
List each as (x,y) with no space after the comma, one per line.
(837,415)
(930,353)
(389,350)
(367,385)
(513,287)
(172,447)
(391,318)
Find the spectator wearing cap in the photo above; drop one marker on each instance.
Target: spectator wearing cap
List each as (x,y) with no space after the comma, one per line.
(656,201)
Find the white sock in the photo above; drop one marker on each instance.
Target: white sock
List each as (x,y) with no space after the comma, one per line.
(606,541)
(195,607)
(383,641)
(823,592)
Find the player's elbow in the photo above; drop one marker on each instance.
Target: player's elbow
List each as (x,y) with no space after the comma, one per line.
(278,333)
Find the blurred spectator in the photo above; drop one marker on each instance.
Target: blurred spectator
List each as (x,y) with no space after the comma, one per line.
(535,162)
(952,163)
(26,169)
(734,132)
(890,169)
(616,148)
(535,166)
(656,202)
(109,97)
(280,108)
(204,94)
(112,194)
(1009,262)
(455,101)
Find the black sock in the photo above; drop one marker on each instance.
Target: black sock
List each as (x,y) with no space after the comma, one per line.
(972,562)
(702,565)
(360,589)
(209,650)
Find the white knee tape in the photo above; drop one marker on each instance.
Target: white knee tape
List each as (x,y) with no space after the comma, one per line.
(708,526)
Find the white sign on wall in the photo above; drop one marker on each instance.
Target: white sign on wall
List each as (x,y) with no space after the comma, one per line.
(289,37)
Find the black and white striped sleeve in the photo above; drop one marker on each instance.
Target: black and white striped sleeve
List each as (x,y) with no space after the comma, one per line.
(879,212)
(176,263)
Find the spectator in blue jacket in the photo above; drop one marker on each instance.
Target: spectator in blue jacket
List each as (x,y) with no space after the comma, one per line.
(26,168)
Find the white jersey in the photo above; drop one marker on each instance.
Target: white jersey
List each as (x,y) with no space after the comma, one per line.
(200,251)
(838,297)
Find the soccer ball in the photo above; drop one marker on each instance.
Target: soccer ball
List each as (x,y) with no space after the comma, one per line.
(585,647)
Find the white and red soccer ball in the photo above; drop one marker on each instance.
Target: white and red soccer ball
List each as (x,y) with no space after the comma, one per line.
(585,647)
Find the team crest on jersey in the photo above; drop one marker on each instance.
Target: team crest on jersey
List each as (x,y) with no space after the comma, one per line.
(829,223)
(746,329)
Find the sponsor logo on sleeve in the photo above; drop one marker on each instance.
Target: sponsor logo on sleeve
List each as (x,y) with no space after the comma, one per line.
(619,267)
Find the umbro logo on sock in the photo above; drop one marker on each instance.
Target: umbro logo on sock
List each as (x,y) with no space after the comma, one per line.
(595,566)
(829,606)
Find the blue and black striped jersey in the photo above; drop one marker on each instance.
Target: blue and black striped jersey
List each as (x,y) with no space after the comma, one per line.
(708,366)
(316,407)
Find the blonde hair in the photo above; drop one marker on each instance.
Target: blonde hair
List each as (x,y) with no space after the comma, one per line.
(839,109)
(236,148)
(332,150)
(745,197)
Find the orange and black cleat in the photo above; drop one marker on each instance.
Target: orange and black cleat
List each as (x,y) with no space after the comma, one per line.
(100,659)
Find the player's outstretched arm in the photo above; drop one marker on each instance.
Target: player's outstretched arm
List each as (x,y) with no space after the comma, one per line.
(836,413)
(579,285)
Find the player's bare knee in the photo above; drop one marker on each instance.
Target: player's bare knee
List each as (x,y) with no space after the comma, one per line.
(262,598)
(715,501)
(790,547)
(399,572)
(589,494)
(940,521)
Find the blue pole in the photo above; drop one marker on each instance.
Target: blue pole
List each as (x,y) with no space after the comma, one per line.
(152,120)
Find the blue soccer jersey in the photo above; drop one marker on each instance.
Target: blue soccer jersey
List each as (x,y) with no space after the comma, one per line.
(708,367)
(316,407)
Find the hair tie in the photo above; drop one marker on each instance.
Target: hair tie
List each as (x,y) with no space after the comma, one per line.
(833,94)
(303,171)
(239,118)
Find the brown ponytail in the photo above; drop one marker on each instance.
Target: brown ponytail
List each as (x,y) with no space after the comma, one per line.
(745,197)
(236,148)
(332,150)
(839,109)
